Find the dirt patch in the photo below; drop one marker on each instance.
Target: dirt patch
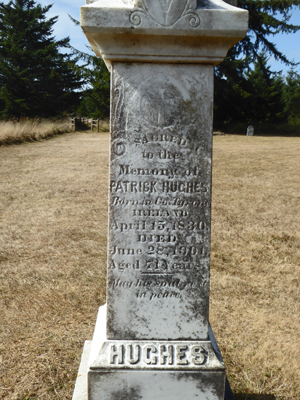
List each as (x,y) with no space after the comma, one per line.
(53,222)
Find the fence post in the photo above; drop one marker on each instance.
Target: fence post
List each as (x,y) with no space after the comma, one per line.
(75,124)
(98,125)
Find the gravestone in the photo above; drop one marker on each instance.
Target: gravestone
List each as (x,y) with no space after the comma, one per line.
(250,130)
(153,339)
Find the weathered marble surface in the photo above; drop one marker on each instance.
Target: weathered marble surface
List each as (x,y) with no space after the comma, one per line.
(161,55)
(160,201)
(157,355)
(90,353)
(177,31)
(150,370)
(81,387)
(134,385)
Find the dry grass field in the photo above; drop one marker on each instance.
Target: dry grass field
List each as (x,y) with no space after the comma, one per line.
(255,277)
(53,211)
(31,130)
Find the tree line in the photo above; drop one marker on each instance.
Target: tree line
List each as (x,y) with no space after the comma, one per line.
(44,77)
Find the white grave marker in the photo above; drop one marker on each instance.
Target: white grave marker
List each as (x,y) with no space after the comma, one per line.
(153,340)
(250,130)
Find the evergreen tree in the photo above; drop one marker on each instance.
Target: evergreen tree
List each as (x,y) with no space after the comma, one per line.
(95,98)
(265,104)
(36,79)
(266,19)
(236,92)
(292,97)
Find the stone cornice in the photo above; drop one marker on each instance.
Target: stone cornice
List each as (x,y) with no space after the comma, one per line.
(179,31)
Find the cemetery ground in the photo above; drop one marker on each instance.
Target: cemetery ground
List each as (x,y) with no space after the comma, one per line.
(53,222)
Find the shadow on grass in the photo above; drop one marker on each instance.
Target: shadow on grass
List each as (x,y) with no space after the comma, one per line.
(243,396)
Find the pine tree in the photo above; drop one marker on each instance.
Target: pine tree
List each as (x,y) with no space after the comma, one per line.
(95,98)
(265,104)
(233,84)
(266,19)
(36,79)
(292,97)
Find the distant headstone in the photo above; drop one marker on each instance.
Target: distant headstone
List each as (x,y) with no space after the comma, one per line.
(250,130)
(157,342)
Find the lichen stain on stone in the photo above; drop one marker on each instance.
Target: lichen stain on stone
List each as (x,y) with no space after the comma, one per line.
(204,382)
(133,393)
(196,377)
(216,386)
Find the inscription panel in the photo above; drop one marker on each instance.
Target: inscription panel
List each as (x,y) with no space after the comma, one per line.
(160,202)
(163,355)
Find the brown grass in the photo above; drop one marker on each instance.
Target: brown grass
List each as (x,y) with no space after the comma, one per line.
(255,308)
(53,207)
(31,130)
(53,203)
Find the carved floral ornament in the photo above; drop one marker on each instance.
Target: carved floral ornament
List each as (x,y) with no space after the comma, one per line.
(165,12)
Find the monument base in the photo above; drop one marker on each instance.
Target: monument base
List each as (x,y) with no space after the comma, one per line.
(144,385)
(144,370)
(80,390)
